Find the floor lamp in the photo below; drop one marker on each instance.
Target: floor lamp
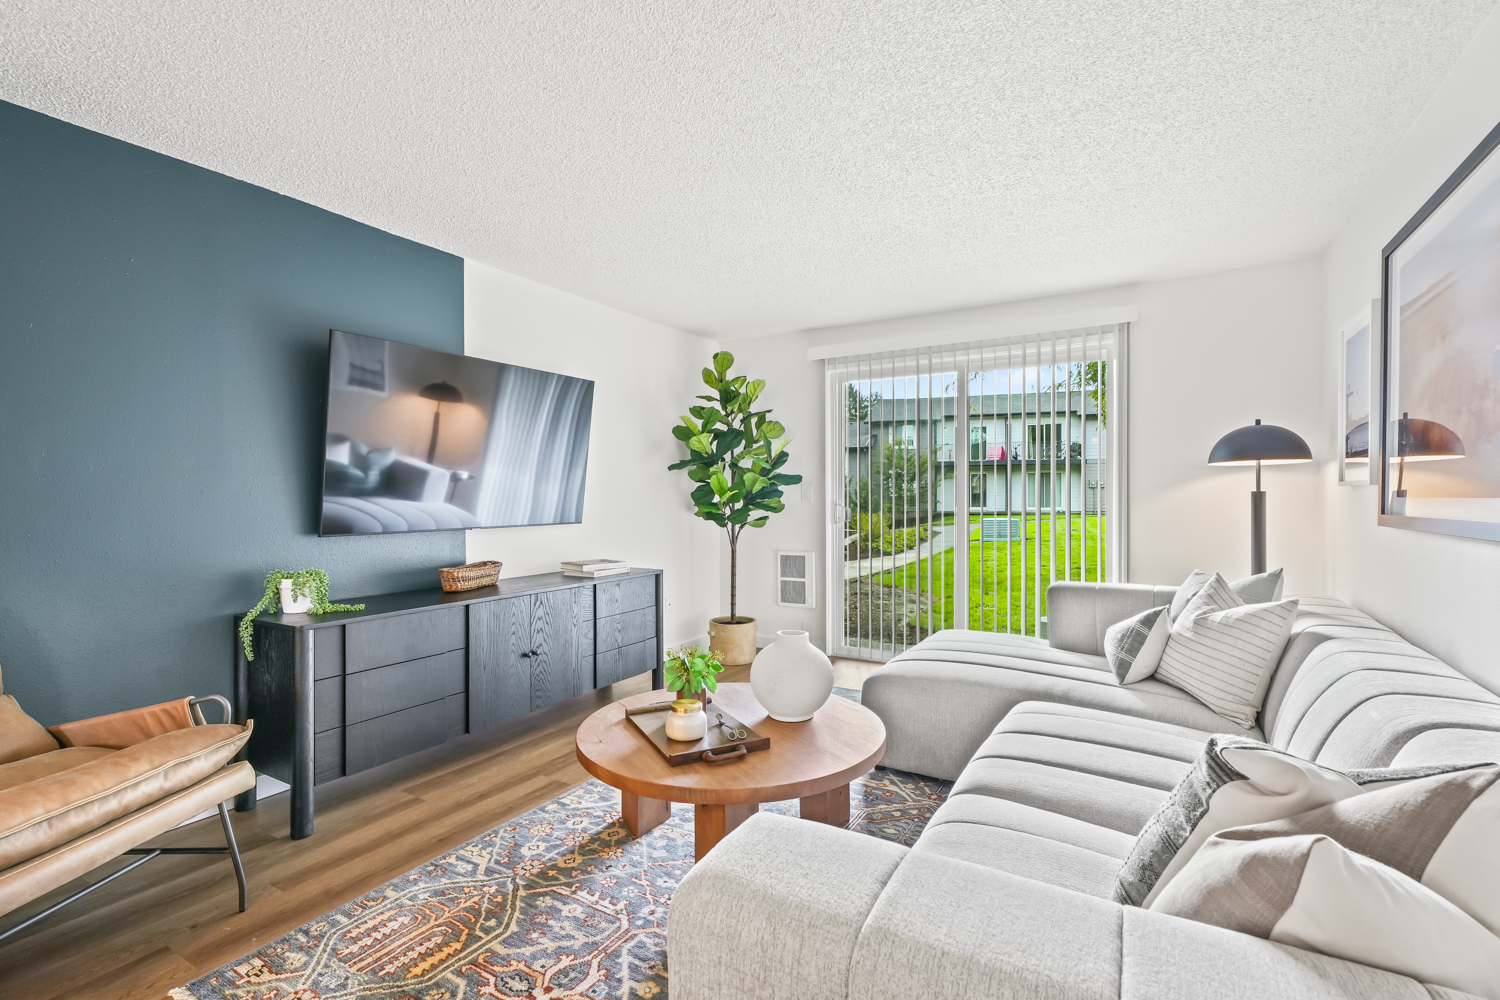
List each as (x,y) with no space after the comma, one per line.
(1259,444)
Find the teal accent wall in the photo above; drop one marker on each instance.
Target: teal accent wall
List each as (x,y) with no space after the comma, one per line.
(163,367)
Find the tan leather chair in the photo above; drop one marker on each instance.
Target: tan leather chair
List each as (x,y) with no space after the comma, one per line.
(81,794)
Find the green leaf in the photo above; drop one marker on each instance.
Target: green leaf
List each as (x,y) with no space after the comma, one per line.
(674,683)
(688,421)
(704,495)
(758,522)
(681,433)
(773,429)
(719,483)
(700,473)
(703,444)
(754,388)
(710,379)
(730,440)
(786,479)
(723,361)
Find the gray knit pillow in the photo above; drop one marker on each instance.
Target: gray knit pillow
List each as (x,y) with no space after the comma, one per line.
(1134,646)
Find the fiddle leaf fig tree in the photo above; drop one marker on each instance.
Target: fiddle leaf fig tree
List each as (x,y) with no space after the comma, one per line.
(735,454)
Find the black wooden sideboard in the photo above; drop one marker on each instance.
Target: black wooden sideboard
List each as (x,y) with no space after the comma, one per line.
(335,694)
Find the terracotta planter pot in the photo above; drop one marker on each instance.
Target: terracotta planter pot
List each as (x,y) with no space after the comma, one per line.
(734,642)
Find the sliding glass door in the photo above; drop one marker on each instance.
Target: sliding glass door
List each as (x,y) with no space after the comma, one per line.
(968,478)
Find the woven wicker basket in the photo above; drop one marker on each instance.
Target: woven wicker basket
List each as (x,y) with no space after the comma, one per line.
(469,577)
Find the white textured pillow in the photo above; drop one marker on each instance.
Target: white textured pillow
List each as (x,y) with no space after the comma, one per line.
(1262,588)
(1311,892)
(1258,589)
(1236,781)
(1223,651)
(1240,782)
(1133,647)
(1189,590)
(1438,830)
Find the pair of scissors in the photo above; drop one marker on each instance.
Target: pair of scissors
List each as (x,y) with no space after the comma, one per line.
(733,733)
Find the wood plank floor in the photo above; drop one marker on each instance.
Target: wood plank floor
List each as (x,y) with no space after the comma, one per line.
(174,918)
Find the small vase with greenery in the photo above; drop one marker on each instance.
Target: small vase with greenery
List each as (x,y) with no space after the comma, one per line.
(690,672)
(305,583)
(735,456)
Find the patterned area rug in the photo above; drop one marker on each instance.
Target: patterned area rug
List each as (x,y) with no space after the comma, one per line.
(558,903)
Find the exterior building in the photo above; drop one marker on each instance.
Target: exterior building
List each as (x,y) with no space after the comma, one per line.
(1026,453)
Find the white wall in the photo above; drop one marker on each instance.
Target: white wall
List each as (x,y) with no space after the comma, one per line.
(643,374)
(1208,354)
(1438,591)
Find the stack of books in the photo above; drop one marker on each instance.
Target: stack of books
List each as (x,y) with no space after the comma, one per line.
(595,568)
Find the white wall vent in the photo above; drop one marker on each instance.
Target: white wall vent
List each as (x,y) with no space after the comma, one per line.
(796,579)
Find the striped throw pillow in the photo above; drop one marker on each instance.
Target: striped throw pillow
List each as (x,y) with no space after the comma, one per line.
(1223,651)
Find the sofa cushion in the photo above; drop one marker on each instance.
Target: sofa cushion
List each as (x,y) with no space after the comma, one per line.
(1058,793)
(21,771)
(1311,892)
(943,697)
(1357,702)
(21,736)
(54,809)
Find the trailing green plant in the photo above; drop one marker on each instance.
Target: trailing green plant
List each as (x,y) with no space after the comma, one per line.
(735,454)
(305,583)
(690,669)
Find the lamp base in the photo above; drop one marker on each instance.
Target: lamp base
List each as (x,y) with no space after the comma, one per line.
(1257,532)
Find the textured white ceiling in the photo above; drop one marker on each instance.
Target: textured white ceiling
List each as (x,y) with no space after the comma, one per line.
(742,168)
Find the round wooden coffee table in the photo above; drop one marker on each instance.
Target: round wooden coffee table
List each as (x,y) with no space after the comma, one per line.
(813,761)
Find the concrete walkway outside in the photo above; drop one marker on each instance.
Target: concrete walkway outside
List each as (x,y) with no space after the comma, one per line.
(941,540)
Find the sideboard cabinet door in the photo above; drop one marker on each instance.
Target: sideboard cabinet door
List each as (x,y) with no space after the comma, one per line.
(554,647)
(499,676)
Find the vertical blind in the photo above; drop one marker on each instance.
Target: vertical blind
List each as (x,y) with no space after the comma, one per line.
(967,478)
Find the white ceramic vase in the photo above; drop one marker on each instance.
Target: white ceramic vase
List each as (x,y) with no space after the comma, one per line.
(294,606)
(791,678)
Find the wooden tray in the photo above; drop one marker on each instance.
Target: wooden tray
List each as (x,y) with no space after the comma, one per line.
(653,725)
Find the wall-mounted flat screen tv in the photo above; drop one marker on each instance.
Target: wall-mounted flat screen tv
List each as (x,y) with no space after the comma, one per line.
(419,440)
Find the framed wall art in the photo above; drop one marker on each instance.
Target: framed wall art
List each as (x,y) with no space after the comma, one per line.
(1440,402)
(1359,361)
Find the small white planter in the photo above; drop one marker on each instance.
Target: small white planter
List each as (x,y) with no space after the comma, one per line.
(294,606)
(791,678)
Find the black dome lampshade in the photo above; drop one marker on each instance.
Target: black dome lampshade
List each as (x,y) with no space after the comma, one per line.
(1419,440)
(440,392)
(1263,443)
(1259,444)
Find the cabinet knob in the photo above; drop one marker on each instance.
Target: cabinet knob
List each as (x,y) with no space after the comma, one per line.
(526,655)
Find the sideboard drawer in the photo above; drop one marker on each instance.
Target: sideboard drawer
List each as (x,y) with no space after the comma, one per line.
(328,756)
(367,744)
(370,694)
(615,665)
(615,597)
(328,651)
(328,704)
(624,630)
(372,644)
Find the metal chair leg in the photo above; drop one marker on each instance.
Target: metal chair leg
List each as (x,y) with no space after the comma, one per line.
(234,856)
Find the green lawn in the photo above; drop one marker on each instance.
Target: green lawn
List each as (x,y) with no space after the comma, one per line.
(994,564)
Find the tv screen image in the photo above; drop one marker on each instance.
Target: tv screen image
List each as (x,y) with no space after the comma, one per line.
(420,440)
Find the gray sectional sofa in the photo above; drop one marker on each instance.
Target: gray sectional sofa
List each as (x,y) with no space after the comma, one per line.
(1056,768)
